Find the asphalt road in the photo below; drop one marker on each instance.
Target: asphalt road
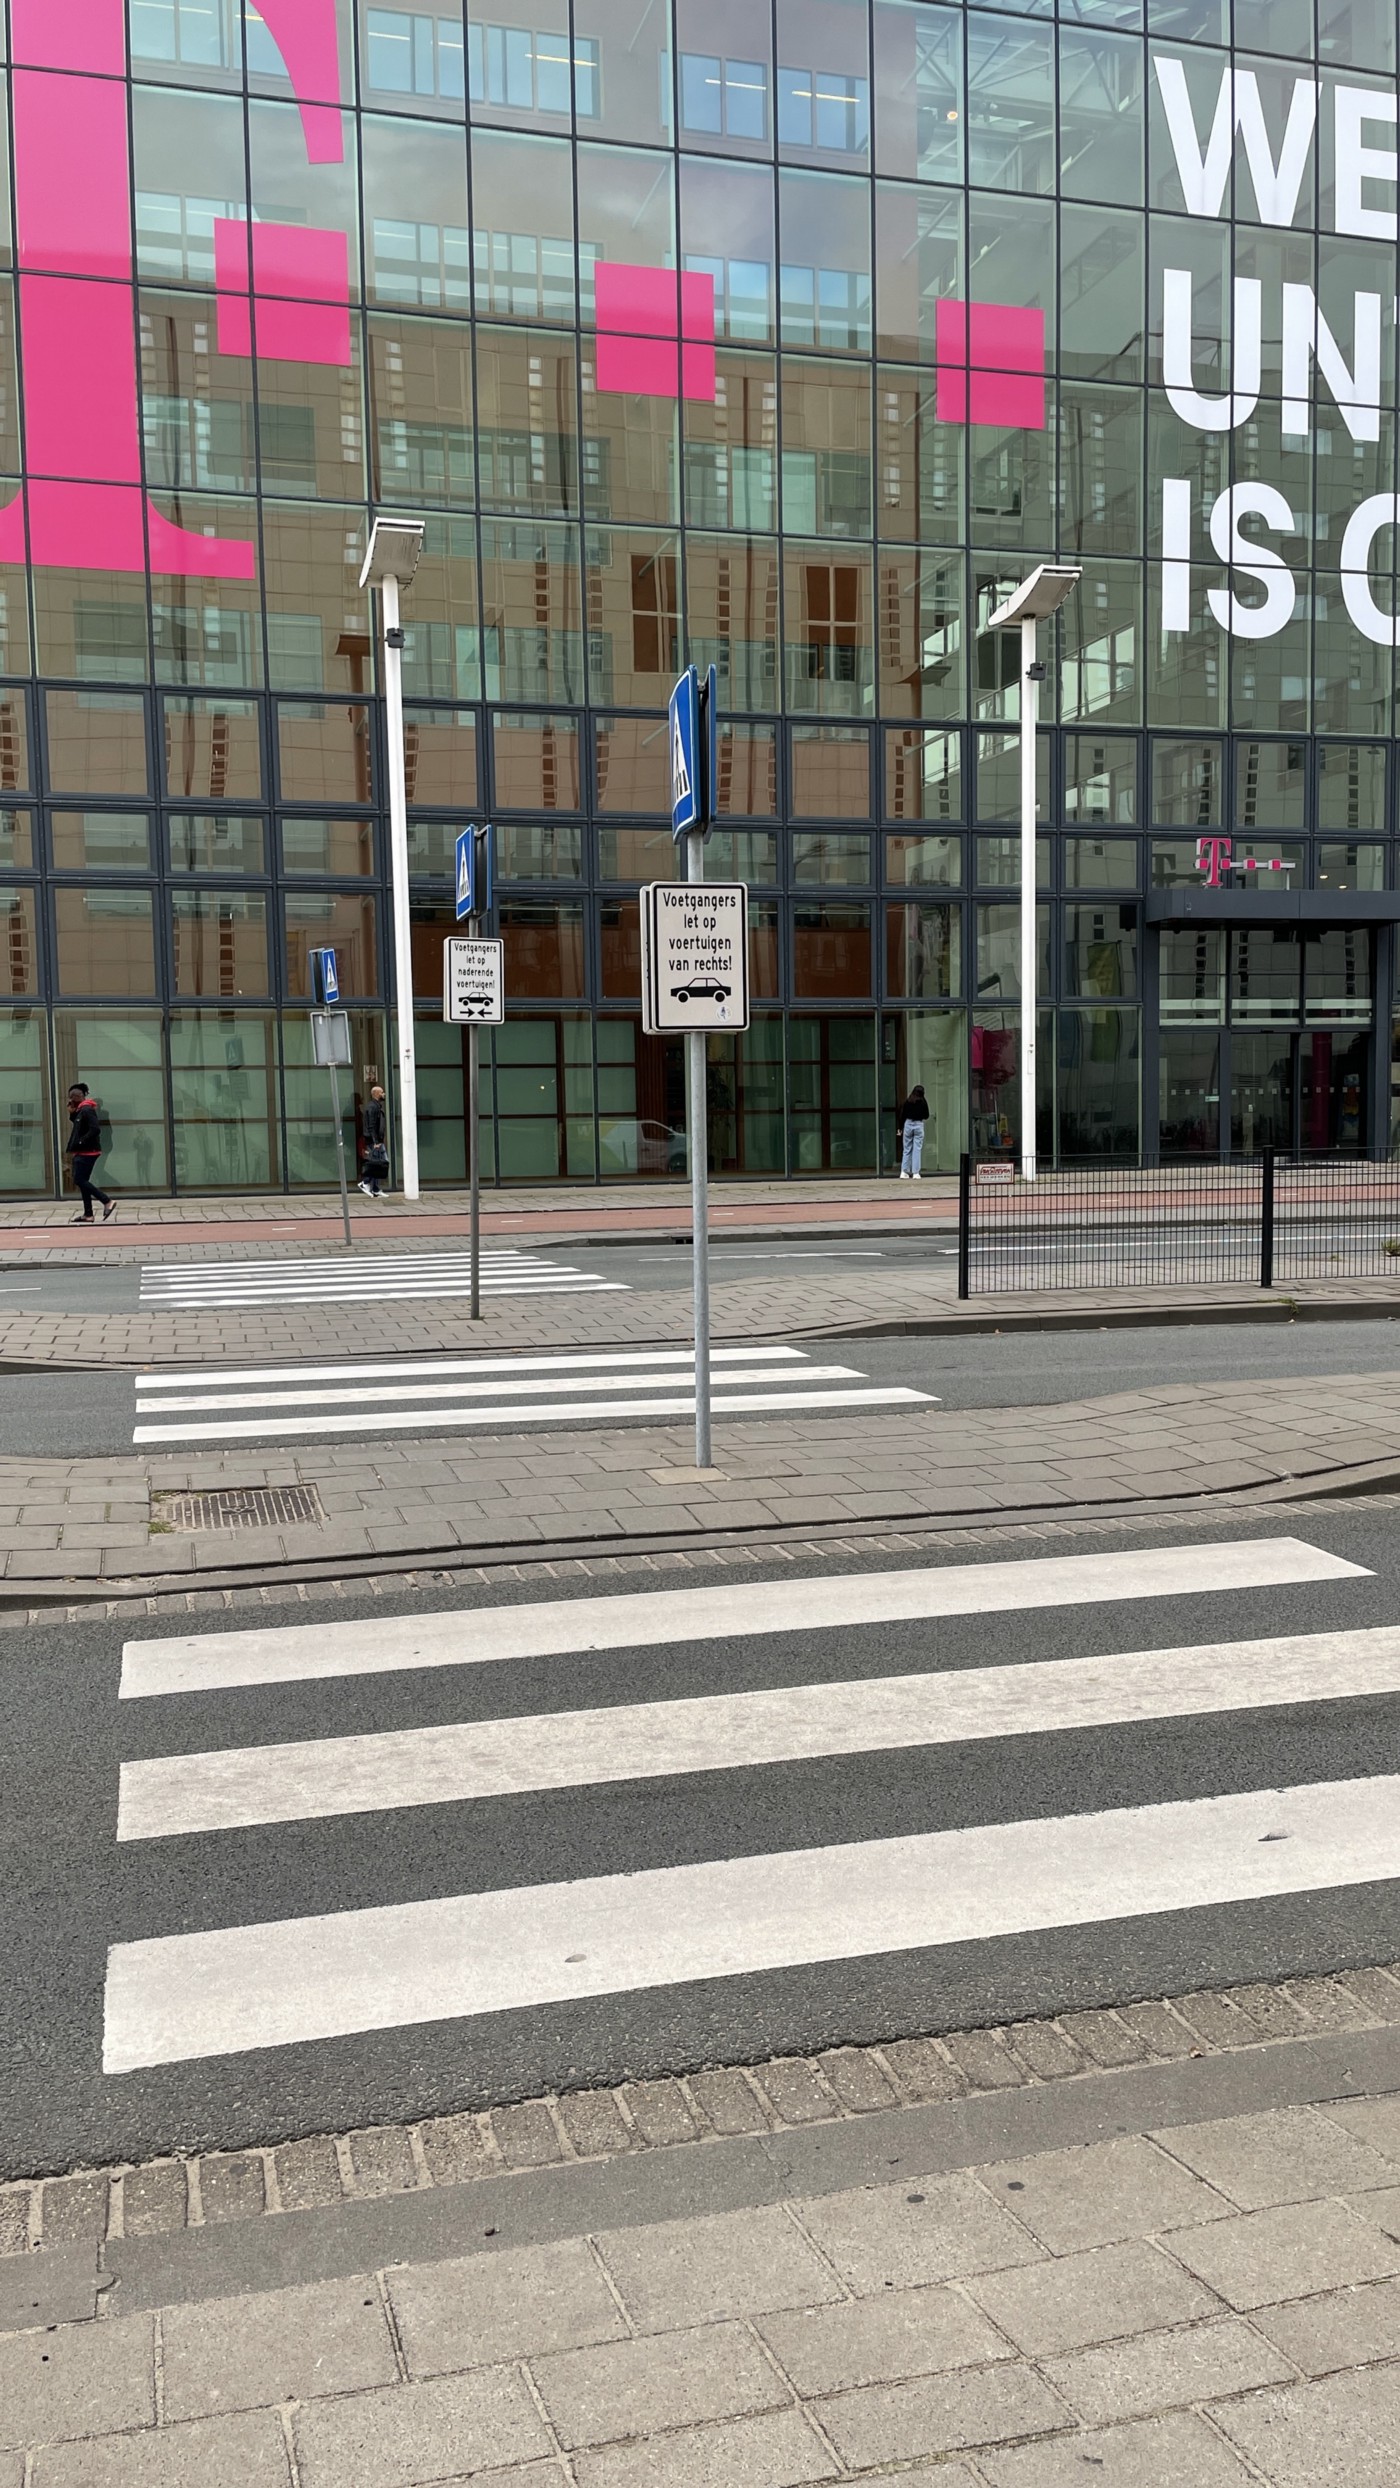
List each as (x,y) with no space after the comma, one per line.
(71,1890)
(70,1416)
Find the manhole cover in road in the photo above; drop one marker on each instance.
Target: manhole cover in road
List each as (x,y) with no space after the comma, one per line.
(239,1507)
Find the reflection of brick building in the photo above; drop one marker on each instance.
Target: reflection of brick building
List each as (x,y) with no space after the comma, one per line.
(775,338)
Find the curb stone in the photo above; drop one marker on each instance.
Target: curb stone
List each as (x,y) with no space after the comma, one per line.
(161,2198)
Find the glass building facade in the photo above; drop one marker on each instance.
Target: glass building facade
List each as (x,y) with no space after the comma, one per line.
(783,335)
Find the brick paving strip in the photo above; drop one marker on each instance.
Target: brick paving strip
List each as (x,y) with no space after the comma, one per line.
(1159,2245)
(86,1526)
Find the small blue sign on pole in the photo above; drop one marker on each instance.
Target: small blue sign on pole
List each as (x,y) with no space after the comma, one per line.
(466,874)
(687,792)
(475,871)
(325,980)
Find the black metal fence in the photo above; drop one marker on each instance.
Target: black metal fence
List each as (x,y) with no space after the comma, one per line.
(1257,1222)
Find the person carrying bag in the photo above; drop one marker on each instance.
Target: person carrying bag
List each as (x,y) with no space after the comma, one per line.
(374,1144)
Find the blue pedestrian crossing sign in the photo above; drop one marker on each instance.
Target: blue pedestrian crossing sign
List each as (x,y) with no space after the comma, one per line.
(686,807)
(325,981)
(474,874)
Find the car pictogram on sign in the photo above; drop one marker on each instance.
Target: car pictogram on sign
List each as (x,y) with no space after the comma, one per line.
(701,989)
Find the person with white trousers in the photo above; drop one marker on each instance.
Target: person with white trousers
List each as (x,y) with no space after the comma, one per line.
(913,1115)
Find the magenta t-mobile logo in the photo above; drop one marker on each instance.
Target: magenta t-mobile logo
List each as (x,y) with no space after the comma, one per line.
(83,506)
(656,339)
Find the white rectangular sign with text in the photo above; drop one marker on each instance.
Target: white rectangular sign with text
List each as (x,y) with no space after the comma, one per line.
(695,956)
(474,982)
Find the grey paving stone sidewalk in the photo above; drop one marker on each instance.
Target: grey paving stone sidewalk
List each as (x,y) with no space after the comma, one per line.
(1201,2303)
(92,1520)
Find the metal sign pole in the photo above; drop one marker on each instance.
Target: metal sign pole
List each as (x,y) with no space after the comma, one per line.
(474,1117)
(697,1046)
(340,1153)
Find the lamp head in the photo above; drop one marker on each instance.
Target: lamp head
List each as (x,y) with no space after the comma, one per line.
(1037,597)
(395,547)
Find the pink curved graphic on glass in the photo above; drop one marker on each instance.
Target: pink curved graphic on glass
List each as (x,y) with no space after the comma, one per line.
(655,332)
(306,35)
(83,505)
(301,284)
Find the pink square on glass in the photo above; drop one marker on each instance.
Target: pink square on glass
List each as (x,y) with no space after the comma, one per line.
(643,314)
(301,279)
(991,364)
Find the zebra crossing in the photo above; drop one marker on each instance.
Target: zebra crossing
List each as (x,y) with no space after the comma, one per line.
(636,1925)
(428,1395)
(369,1278)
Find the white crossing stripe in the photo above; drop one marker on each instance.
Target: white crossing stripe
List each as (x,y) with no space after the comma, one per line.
(371,1399)
(328,1776)
(174,1998)
(654,1619)
(368,1277)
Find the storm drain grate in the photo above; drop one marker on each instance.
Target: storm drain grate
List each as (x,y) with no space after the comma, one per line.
(239,1507)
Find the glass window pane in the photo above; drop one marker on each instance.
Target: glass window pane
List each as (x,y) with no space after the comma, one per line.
(643,855)
(1102,123)
(324,754)
(829,654)
(923,776)
(536,763)
(1271,786)
(119,1056)
(96,743)
(748,772)
(1100,863)
(219,943)
(224,1100)
(632,765)
(931,863)
(212,748)
(922,946)
(1188,789)
(831,949)
(100,842)
(544,947)
(106,942)
(533,621)
(15,776)
(551,851)
(999,953)
(25,1112)
(338,920)
(830,855)
(1100,951)
(17,842)
(1101,778)
(440,758)
(344,849)
(732,588)
(1351,786)
(215,842)
(830,773)
(1351,867)
(19,944)
(1010,103)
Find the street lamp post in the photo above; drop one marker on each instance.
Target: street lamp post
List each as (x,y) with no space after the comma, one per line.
(1025,609)
(395,545)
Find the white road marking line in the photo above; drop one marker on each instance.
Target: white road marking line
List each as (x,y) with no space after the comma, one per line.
(581,1361)
(647,1619)
(392,1295)
(744,1404)
(174,1998)
(321,1777)
(370,1395)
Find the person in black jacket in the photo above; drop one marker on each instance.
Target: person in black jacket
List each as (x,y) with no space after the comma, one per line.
(84,1147)
(374,1143)
(913,1115)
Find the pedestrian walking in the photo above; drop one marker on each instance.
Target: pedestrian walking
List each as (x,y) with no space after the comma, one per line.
(84,1148)
(913,1115)
(374,1144)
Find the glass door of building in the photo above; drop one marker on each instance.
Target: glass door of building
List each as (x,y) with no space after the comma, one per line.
(1264,1042)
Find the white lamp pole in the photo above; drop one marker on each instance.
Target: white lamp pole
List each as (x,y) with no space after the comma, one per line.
(395,546)
(1031,604)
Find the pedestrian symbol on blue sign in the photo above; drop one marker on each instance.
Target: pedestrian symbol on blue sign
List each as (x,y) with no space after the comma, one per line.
(325,981)
(686,808)
(474,872)
(466,874)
